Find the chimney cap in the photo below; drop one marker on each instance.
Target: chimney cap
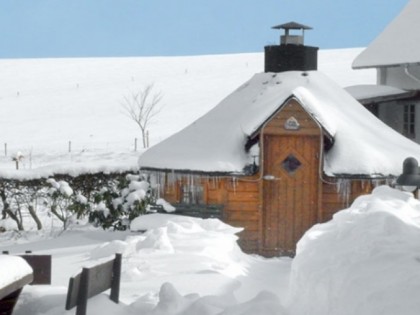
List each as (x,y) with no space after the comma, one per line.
(292,26)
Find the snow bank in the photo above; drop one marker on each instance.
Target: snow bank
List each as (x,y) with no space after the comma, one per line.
(365,261)
(171,302)
(175,246)
(165,205)
(157,220)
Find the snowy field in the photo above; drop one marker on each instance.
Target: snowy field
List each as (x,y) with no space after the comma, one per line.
(49,105)
(365,261)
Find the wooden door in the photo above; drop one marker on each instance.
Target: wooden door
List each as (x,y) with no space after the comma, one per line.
(291,196)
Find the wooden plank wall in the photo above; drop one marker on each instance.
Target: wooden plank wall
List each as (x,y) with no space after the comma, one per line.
(334,200)
(242,200)
(243,209)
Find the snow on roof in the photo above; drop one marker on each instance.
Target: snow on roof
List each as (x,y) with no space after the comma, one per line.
(363,145)
(366,92)
(398,44)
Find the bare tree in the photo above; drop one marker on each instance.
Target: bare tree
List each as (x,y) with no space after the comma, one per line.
(141,107)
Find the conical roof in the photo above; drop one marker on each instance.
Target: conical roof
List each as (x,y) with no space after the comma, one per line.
(215,143)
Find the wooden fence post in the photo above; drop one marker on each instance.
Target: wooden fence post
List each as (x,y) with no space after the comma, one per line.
(116,277)
(83,295)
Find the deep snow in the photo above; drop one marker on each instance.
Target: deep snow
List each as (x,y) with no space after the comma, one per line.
(364,261)
(184,265)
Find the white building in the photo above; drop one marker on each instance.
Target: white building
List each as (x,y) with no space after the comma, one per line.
(395,53)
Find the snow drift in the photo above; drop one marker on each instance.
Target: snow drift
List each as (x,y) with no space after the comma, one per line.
(365,261)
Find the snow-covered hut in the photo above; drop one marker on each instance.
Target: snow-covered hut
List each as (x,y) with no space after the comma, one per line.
(283,152)
(395,53)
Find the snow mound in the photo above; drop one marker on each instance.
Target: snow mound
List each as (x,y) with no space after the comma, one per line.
(193,245)
(165,205)
(365,261)
(108,249)
(17,268)
(156,220)
(156,239)
(172,302)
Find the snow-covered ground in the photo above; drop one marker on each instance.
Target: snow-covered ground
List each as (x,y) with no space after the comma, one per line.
(50,105)
(365,261)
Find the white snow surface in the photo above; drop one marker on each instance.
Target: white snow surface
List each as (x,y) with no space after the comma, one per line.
(216,141)
(185,266)
(364,261)
(398,44)
(65,115)
(12,268)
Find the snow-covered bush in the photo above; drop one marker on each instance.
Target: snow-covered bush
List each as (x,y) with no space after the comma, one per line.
(107,200)
(123,200)
(64,203)
(17,199)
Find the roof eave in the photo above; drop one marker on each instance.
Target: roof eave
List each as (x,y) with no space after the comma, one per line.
(387,98)
(377,176)
(192,172)
(390,65)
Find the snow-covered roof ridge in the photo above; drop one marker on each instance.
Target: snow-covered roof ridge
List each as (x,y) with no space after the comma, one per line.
(398,44)
(363,145)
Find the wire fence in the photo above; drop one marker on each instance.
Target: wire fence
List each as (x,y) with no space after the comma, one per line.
(135,144)
(29,157)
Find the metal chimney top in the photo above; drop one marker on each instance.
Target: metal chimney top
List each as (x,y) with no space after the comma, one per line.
(292,26)
(288,39)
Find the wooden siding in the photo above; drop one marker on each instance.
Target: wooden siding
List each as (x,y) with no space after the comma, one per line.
(243,202)
(243,209)
(276,126)
(338,196)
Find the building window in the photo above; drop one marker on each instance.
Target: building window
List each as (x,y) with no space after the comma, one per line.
(291,164)
(409,125)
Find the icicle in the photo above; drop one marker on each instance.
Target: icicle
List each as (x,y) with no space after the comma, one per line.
(234,184)
(344,189)
(191,189)
(217,181)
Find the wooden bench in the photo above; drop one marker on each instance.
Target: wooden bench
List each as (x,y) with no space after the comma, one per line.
(9,292)
(92,281)
(41,265)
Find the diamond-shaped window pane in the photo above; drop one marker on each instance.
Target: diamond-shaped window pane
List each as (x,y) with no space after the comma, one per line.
(291,164)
